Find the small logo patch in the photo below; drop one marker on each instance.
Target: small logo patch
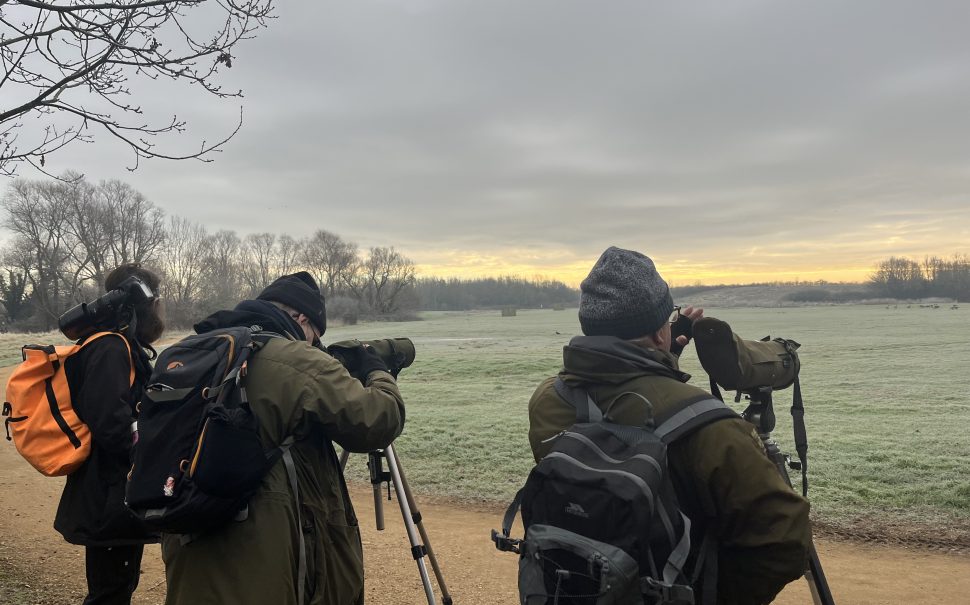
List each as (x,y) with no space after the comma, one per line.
(174,364)
(169,488)
(577,510)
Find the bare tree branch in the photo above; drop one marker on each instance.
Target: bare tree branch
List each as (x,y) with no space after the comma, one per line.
(68,65)
(107,5)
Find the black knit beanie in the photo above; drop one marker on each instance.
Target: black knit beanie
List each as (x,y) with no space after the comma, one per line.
(300,291)
(623,296)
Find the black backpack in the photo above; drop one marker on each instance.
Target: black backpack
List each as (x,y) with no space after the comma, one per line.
(198,457)
(602,522)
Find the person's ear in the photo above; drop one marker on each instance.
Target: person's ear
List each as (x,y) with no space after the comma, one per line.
(661,338)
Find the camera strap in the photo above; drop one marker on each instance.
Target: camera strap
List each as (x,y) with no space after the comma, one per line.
(801,437)
(798,427)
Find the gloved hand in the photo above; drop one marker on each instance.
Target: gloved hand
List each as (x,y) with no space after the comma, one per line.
(682,330)
(366,361)
(360,360)
(682,327)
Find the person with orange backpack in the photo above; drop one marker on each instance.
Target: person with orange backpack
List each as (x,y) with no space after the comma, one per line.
(106,372)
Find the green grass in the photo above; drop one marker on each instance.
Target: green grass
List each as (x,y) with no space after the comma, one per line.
(885,389)
(11,343)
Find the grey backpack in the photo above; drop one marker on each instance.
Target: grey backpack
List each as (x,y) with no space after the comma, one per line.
(602,522)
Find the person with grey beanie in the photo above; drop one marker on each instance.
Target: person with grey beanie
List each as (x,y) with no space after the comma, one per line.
(624,296)
(626,362)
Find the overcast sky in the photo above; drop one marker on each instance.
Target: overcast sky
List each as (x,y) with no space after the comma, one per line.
(730,141)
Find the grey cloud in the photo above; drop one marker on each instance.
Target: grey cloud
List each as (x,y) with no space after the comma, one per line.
(572,125)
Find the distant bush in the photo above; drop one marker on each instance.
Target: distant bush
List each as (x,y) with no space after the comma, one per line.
(809,295)
(343,309)
(850,296)
(401,315)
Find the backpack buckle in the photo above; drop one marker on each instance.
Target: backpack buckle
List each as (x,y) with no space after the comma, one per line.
(668,594)
(505,543)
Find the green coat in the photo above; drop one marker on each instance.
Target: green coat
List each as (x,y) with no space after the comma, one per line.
(296,390)
(721,474)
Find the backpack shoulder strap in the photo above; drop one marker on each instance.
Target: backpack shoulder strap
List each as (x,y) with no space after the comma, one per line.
(586,408)
(691,416)
(295,488)
(131,361)
(261,337)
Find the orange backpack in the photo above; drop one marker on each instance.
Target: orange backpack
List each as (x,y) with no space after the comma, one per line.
(45,428)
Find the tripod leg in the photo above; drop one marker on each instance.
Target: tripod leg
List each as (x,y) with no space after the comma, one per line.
(416,515)
(418,550)
(376,478)
(817,584)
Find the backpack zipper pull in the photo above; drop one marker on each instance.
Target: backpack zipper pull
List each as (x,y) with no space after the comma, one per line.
(556,436)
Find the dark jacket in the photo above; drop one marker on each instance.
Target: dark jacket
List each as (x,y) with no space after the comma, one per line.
(723,479)
(294,389)
(92,511)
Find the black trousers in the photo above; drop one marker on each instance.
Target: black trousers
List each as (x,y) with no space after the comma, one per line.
(112,573)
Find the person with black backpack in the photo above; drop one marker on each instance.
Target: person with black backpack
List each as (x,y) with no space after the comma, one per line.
(748,532)
(295,539)
(106,380)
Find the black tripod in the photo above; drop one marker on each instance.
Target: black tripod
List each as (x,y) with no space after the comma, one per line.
(761,414)
(409,510)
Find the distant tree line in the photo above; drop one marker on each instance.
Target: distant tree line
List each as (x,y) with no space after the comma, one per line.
(899,277)
(67,234)
(454,294)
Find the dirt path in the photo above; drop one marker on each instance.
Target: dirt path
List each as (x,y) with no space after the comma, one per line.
(35,561)
(475,572)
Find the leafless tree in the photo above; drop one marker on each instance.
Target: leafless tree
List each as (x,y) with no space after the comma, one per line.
(289,254)
(258,261)
(330,259)
(898,276)
(183,262)
(135,227)
(223,276)
(381,279)
(43,244)
(68,67)
(87,241)
(89,223)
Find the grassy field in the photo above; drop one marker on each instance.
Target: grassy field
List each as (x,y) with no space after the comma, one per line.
(886,392)
(885,389)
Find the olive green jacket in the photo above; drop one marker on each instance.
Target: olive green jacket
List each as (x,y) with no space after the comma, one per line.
(722,477)
(297,390)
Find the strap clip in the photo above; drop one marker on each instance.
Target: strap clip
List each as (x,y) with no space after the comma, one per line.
(505,543)
(668,594)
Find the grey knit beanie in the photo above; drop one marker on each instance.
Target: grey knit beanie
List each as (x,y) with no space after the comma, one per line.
(623,296)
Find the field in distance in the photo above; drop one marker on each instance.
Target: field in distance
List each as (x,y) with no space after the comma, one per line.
(885,392)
